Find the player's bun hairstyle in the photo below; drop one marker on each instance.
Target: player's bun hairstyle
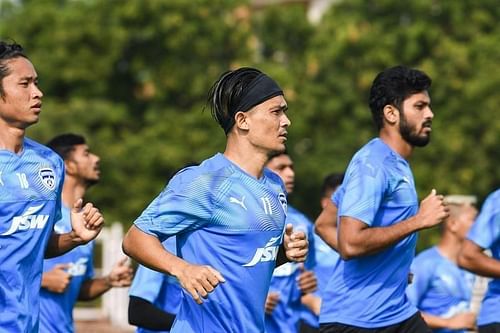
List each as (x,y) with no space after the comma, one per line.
(8,51)
(392,86)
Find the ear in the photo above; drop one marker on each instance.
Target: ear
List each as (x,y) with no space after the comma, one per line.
(391,114)
(70,167)
(240,120)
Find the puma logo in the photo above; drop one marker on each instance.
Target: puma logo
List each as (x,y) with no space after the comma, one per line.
(238,202)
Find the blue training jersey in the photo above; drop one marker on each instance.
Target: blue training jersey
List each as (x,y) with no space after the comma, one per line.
(485,232)
(161,290)
(30,194)
(56,309)
(369,291)
(286,315)
(439,286)
(231,221)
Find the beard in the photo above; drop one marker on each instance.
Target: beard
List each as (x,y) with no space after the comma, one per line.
(410,135)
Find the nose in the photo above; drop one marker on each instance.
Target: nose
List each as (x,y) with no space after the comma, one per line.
(430,114)
(286,121)
(97,158)
(37,93)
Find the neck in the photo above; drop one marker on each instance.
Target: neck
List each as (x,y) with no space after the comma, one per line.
(449,246)
(245,156)
(11,138)
(72,191)
(393,139)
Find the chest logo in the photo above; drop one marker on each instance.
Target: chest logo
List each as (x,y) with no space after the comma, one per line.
(48,178)
(238,202)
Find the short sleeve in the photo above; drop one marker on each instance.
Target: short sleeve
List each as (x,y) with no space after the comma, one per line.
(364,188)
(486,229)
(182,206)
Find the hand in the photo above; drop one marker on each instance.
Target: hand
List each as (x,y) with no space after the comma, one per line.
(57,279)
(432,210)
(121,274)
(296,244)
(463,320)
(272,300)
(199,280)
(307,280)
(86,222)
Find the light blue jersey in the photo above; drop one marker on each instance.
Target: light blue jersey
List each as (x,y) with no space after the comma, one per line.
(56,309)
(161,290)
(30,192)
(485,232)
(439,286)
(228,220)
(369,291)
(286,315)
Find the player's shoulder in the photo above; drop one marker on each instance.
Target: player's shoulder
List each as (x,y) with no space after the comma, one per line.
(209,174)
(273,178)
(493,197)
(428,256)
(32,146)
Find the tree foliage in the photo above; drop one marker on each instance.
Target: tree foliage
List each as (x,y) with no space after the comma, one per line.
(133,77)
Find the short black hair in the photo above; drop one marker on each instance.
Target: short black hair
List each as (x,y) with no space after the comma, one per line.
(8,51)
(392,86)
(64,144)
(331,182)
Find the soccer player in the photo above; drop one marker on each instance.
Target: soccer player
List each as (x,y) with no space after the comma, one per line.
(155,298)
(379,214)
(291,280)
(228,214)
(326,257)
(485,234)
(440,289)
(31,178)
(70,277)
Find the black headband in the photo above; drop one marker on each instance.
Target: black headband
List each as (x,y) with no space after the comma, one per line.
(259,90)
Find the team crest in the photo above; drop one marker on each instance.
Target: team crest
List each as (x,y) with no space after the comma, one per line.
(48,178)
(282,199)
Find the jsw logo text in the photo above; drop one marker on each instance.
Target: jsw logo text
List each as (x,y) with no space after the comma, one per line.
(29,220)
(266,253)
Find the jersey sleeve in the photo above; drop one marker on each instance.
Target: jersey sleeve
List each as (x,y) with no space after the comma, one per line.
(486,229)
(363,187)
(422,275)
(182,206)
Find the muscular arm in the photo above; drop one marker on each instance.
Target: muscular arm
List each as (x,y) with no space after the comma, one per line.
(326,225)
(148,251)
(473,258)
(94,288)
(358,239)
(62,243)
(464,320)
(144,314)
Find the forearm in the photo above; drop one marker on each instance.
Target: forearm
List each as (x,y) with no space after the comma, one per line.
(312,302)
(473,259)
(144,314)
(326,225)
(94,288)
(148,251)
(358,239)
(434,321)
(328,234)
(281,257)
(61,243)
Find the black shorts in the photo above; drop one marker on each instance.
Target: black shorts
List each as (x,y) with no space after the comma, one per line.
(490,328)
(414,324)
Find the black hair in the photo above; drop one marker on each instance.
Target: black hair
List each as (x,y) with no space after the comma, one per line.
(392,86)
(8,51)
(64,144)
(331,182)
(226,94)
